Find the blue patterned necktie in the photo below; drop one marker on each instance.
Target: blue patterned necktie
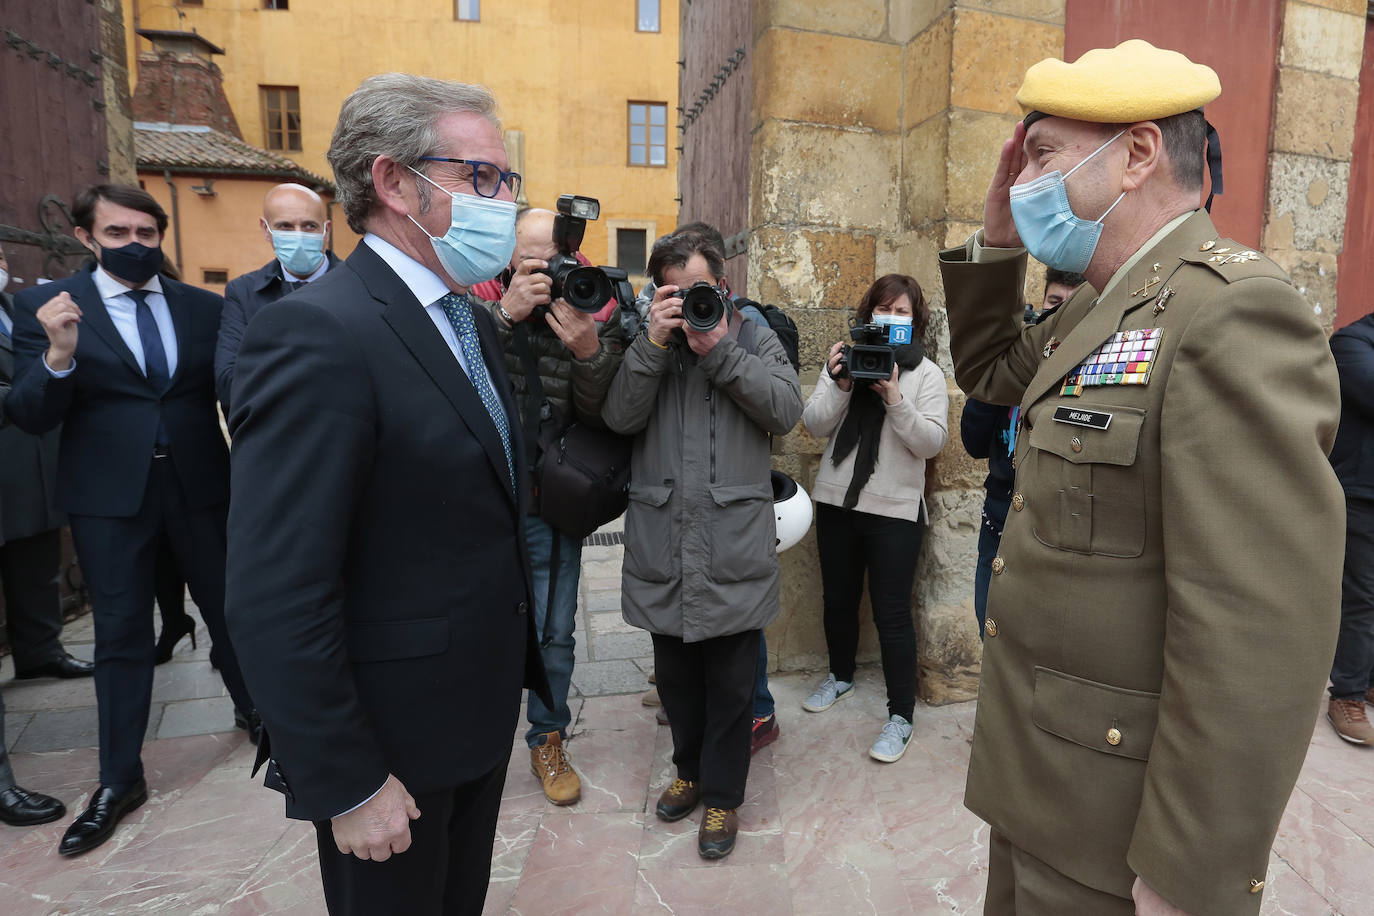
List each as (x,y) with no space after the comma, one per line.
(459,312)
(154,355)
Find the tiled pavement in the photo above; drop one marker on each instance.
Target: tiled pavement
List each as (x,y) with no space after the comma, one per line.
(823,829)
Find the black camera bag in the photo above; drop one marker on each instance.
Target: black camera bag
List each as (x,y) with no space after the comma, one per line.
(581,474)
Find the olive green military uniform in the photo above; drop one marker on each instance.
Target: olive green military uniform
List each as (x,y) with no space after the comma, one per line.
(1165,605)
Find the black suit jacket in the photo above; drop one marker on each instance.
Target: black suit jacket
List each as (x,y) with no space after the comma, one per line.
(378,590)
(108,410)
(28,463)
(242,298)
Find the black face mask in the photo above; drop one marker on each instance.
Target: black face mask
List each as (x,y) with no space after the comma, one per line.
(134,262)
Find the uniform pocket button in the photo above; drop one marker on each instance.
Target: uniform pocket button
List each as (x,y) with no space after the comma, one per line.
(1018,502)
(1076,444)
(998,564)
(990,627)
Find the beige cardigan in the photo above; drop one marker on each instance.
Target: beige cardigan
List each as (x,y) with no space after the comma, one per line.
(914,429)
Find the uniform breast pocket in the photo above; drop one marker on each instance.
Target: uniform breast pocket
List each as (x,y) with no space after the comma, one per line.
(1085,488)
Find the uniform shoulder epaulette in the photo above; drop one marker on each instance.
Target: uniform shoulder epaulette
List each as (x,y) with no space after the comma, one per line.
(1233,261)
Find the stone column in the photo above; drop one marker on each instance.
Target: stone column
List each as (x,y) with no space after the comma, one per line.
(1314,130)
(875,127)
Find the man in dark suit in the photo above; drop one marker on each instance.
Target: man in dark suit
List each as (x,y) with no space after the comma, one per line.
(30,529)
(295,225)
(378,586)
(123,358)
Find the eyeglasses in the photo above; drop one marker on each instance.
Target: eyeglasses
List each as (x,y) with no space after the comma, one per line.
(487,178)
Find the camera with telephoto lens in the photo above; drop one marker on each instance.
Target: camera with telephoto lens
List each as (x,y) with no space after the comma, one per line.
(585,288)
(703,306)
(873,355)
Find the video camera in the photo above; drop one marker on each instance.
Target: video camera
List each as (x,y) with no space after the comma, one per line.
(585,288)
(873,355)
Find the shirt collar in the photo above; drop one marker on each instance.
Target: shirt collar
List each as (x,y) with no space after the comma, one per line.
(110,288)
(423,283)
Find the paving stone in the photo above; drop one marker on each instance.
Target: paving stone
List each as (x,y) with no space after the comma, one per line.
(15,723)
(202,716)
(600,602)
(66,728)
(603,678)
(186,680)
(610,621)
(621,645)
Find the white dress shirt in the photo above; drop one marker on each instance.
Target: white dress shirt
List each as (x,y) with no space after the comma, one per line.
(426,287)
(122,310)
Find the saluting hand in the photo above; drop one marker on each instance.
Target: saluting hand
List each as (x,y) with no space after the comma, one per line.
(59,317)
(527,289)
(999,229)
(378,827)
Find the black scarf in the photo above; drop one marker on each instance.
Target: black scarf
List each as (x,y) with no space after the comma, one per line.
(862,425)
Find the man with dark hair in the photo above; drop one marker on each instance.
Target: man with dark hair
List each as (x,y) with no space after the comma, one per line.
(295,223)
(123,358)
(1165,598)
(574,358)
(701,566)
(379,586)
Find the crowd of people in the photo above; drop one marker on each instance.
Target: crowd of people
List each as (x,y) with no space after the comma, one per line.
(1159,583)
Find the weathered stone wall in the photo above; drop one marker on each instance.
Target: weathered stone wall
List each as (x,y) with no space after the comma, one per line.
(114,74)
(1310,153)
(875,127)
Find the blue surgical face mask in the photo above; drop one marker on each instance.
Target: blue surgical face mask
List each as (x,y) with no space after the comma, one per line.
(300,252)
(1047,224)
(480,237)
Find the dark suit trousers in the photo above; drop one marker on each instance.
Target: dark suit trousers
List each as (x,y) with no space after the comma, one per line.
(445,871)
(707,690)
(1352,672)
(119,559)
(33,609)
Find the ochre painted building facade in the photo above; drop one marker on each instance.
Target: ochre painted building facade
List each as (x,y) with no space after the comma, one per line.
(564,73)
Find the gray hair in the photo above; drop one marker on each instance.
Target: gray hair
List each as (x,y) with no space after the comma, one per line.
(394,114)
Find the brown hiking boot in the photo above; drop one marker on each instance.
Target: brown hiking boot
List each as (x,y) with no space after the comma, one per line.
(549,763)
(678,800)
(716,838)
(1350,722)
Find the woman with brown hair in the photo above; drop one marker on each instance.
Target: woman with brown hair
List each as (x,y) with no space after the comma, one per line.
(870,502)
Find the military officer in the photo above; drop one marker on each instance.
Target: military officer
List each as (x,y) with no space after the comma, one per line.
(1165,602)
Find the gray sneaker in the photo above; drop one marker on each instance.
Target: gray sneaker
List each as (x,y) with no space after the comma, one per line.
(825,695)
(891,743)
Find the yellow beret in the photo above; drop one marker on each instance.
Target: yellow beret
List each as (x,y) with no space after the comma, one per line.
(1135,81)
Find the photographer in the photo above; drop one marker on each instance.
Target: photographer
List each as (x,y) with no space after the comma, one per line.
(701,566)
(576,358)
(870,504)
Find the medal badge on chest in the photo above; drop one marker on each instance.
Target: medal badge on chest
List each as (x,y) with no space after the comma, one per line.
(1125,359)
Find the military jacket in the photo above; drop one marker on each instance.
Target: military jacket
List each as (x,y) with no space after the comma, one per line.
(1164,608)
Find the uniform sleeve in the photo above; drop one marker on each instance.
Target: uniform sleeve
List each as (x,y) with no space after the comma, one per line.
(763,384)
(995,354)
(304,430)
(921,418)
(1253,530)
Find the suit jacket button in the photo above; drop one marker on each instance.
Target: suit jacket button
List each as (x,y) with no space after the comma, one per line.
(990,627)
(1076,444)
(1018,502)
(522,608)
(1113,736)
(998,564)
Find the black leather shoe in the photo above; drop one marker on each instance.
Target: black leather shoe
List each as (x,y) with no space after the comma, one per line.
(63,666)
(94,825)
(22,808)
(250,722)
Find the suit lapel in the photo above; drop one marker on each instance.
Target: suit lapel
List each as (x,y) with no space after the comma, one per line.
(181,323)
(95,317)
(412,324)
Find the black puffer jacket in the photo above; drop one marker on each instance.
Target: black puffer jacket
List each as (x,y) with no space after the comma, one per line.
(1353,454)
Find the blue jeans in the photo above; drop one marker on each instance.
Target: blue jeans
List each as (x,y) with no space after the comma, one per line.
(763,699)
(553,624)
(988,543)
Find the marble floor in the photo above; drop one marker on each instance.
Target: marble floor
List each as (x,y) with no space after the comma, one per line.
(823,830)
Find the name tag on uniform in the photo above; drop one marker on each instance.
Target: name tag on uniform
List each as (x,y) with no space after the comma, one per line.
(1127,358)
(1093,419)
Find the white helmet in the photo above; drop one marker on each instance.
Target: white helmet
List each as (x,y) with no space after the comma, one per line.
(791,508)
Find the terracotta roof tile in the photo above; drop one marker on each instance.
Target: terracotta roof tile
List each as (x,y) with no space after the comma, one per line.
(204,149)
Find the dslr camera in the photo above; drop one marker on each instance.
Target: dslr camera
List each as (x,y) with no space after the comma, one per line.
(585,288)
(703,306)
(873,354)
